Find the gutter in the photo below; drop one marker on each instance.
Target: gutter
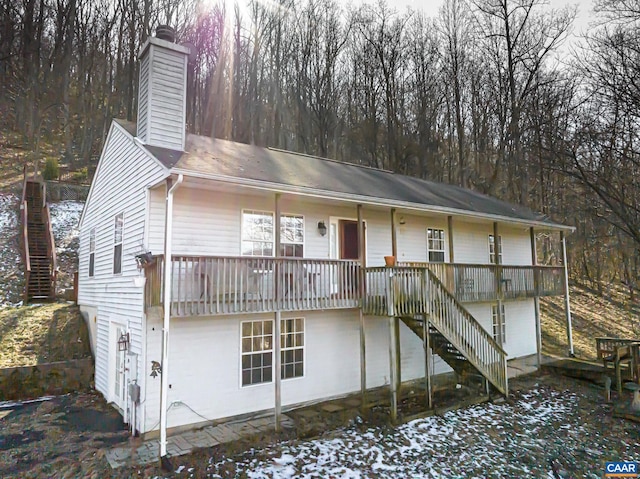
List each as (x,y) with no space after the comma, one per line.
(361,199)
(166,306)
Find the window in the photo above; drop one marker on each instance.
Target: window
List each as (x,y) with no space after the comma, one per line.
(257,233)
(92,251)
(258,236)
(492,254)
(435,245)
(292,348)
(257,358)
(117,243)
(499,326)
(292,236)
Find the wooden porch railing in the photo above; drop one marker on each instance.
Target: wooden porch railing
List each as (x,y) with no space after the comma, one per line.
(51,248)
(25,248)
(480,282)
(212,285)
(406,291)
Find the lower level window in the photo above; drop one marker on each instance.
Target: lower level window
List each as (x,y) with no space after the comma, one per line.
(292,334)
(499,326)
(257,352)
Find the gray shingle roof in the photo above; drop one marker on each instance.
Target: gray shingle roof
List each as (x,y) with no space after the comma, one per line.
(221,158)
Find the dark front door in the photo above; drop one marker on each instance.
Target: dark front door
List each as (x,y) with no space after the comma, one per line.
(348,239)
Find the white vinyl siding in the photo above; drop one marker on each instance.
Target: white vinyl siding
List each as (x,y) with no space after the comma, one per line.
(143,100)
(205,367)
(123,173)
(167,85)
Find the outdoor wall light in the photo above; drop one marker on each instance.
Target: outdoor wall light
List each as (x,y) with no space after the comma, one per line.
(144,259)
(322,228)
(123,342)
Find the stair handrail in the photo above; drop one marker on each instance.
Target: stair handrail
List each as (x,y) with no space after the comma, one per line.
(51,247)
(495,371)
(25,248)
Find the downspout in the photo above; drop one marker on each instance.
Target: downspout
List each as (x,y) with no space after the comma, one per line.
(166,306)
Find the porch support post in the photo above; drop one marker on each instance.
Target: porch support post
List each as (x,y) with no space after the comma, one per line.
(450,234)
(394,241)
(392,370)
(166,312)
(362,290)
(497,248)
(276,326)
(567,306)
(278,370)
(536,299)
(426,341)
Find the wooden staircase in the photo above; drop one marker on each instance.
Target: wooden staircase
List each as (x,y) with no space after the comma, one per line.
(418,297)
(38,246)
(457,337)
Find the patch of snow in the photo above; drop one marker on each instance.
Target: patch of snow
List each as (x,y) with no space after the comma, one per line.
(65,216)
(180,469)
(488,440)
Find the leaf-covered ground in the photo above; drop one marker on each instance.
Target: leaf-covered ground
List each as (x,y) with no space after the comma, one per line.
(42,333)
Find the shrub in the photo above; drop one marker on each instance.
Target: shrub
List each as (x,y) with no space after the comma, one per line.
(51,170)
(81,175)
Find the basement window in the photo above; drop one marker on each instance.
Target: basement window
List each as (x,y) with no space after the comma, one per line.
(257,352)
(499,324)
(435,245)
(292,344)
(92,251)
(117,243)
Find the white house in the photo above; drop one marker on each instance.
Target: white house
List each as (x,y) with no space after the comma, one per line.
(277,293)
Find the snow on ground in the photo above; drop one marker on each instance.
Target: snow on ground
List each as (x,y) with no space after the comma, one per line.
(65,216)
(10,264)
(539,432)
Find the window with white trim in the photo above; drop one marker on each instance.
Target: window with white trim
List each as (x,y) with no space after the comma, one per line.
(257,233)
(492,254)
(117,243)
(292,236)
(499,324)
(257,352)
(292,347)
(435,245)
(92,251)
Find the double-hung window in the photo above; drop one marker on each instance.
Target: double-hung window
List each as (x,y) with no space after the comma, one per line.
(92,251)
(257,233)
(292,236)
(499,325)
(292,337)
(257,352)
(117,243)
(258,236)
(492,249)
(435,245)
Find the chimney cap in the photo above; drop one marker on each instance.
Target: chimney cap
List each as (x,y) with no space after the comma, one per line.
(166,32)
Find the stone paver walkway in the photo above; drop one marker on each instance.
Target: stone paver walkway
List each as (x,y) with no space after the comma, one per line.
(184,443)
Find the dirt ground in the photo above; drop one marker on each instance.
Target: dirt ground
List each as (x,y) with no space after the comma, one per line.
(66,437)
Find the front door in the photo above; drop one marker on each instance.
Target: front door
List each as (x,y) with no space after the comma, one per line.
(344,245)
(348,239)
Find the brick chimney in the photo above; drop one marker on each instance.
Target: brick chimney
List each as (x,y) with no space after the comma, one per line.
(162,91)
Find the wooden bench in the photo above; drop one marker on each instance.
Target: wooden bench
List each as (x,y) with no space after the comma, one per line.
(620,354)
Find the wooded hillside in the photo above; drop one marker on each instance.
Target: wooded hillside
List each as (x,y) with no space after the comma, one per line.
(486,95)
